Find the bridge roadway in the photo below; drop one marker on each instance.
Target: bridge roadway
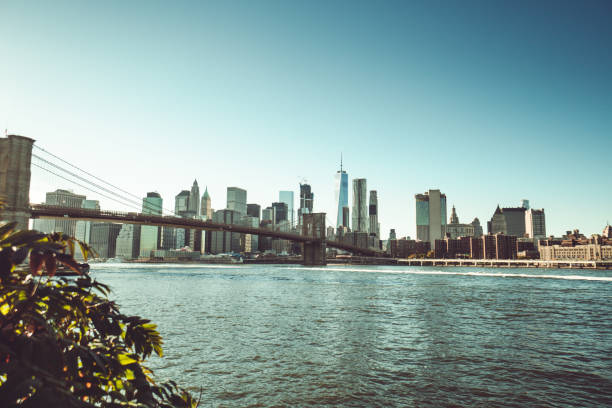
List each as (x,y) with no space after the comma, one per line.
(47,211)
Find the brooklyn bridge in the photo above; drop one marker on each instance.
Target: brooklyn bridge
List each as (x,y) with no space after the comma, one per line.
(16,154)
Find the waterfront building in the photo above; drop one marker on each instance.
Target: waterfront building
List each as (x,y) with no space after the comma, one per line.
(357,238)
(430,216)
(127,245)
(249,243)
(237,200)
(499,246)
(373,214)
(454,229)
(104,238)
(60,198)
(405,248)
(281,212)
(287,198)
(254,210)
(206,207)
(83,228)
(588,252)
(360,217)
(150,236)
(341,194)
(168,238)
(224,241)
(476,247)
(194,199)
(535,223)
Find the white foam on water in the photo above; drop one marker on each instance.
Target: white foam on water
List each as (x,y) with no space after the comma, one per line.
(129,265)
(488,274)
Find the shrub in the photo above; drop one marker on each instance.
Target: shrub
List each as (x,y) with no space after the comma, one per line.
(63,343)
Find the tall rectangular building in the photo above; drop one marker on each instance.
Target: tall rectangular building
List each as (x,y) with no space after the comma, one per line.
(430,216)
(83,228)
(104,238)
(254,210)
(224,241)
(535,223)
(306,201)
(515,221)
(341,194)
(360,205)
(281,212)
(373,214)
(150,236)
(237,200)
(287,198)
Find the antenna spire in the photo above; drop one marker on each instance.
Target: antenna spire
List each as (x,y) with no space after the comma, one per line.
(340,162)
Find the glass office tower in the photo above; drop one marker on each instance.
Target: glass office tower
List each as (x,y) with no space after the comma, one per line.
(341,193)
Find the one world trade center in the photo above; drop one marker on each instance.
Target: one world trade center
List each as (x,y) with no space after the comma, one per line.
(341,191)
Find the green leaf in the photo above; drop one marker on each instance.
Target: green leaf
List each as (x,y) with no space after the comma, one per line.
(125,359)
(84,250)
(4,309)
(6,229)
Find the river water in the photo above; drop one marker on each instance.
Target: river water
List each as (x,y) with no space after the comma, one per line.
(376,336)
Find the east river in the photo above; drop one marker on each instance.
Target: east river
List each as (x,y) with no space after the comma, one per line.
(376,336)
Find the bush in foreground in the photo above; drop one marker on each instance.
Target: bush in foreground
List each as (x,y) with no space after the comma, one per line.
(62,342)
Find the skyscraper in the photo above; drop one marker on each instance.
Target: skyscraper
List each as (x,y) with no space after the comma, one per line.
(83,228)
(287,198)
(254,210)
(306,201)
(515,221)
(60,198)
(535,223)
(373,214)
(194,199)
(237,200)
(150,235)
(430,216)
(497,223)
(181,203)
(341,193)
(206,208)
(360,205)
(281,212)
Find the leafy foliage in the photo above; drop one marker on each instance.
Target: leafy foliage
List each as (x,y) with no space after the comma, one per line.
(63,343)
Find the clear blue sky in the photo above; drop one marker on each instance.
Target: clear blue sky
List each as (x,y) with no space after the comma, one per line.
(489,101)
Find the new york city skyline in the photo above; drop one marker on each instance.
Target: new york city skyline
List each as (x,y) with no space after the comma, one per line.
(498,106)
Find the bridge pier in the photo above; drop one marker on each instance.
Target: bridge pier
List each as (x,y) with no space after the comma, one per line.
(15,160)
(313,252)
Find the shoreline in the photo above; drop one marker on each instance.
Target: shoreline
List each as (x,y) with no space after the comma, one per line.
(479,263)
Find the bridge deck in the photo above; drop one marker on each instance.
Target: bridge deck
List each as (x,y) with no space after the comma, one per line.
(46,211)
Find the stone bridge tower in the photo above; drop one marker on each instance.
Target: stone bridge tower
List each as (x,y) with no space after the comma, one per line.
(313,225)
(15,160)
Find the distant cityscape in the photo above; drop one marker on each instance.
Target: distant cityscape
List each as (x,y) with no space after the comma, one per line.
(512,232)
